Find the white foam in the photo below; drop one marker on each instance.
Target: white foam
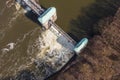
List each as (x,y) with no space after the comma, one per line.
(4,50)
(11,46)
(8,47)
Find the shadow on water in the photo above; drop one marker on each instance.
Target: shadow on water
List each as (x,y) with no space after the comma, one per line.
(33,17)
(52,77)
(84,25)
(29,75)
(30,14)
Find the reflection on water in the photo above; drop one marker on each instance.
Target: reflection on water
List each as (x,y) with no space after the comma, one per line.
(67,10)
(18,33)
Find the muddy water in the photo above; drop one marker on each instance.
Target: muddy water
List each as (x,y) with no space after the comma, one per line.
(18,33)
(67,10)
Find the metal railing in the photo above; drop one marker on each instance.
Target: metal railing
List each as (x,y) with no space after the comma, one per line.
(38,9)
(62,32)
(34,6)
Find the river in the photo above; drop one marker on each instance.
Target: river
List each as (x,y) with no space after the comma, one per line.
(19,35)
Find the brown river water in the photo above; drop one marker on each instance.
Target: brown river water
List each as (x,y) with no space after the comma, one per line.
(18,33)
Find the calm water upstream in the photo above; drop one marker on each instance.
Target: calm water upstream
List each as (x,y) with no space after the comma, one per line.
(18,34)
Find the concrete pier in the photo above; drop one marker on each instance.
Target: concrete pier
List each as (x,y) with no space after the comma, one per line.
(60,46)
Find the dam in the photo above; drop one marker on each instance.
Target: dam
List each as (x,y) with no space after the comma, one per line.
(53,57)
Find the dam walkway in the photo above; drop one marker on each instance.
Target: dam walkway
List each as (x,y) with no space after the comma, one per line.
(36,8)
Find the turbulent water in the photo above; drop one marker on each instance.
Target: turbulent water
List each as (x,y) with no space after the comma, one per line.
(19,36)
(16,35)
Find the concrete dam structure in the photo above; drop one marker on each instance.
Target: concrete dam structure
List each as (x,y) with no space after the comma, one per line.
(60,47)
